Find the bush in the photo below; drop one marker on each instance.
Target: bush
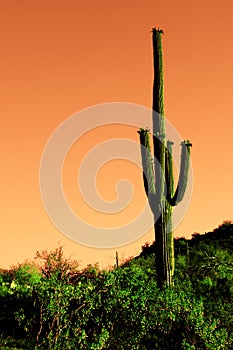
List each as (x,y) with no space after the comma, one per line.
(60,307)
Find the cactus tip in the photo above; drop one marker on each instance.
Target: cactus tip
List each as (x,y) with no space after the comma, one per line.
(169,142)
(187,143)
(158,30)
(142,130)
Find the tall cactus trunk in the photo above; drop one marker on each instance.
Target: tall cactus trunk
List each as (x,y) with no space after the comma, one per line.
(158,177)
(159,140)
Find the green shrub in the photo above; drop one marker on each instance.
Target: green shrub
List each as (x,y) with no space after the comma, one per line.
(60,307)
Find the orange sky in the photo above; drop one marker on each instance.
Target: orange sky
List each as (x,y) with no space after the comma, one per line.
(58,57)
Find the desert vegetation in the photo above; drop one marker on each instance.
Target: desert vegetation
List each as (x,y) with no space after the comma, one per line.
(52,304)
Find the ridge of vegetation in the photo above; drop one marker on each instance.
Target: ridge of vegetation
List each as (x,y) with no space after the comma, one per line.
(53,304)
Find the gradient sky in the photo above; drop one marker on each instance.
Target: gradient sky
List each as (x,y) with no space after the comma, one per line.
(58,57)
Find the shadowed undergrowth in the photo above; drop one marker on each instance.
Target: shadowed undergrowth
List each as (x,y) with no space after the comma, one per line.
(58,306)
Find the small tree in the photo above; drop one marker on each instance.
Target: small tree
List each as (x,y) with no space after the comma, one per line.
(55,264)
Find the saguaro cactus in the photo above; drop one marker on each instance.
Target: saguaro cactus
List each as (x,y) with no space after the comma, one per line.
(158,176)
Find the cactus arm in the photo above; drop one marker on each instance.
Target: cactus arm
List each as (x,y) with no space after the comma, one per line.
(170,241)
(169,178)
(183,177)
(148,171)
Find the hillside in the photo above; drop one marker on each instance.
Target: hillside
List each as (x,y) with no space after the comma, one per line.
(58,306)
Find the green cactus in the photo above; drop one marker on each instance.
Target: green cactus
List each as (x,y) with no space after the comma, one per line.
(158,177)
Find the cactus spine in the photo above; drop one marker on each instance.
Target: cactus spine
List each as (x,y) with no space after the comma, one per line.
(158,177)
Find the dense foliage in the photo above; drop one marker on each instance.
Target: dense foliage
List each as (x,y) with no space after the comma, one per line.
(57,306)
